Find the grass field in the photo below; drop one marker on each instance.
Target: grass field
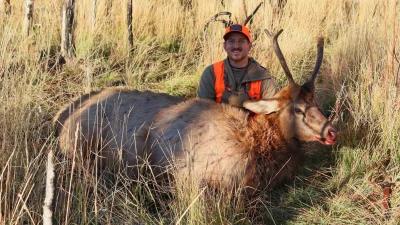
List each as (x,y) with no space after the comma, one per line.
(340,185)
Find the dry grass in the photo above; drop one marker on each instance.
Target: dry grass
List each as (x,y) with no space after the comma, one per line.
(337,186)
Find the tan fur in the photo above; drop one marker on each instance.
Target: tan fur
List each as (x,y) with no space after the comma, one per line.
(112,124)
(214,144)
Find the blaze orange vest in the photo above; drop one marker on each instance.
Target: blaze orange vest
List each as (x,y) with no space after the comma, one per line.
(219,85)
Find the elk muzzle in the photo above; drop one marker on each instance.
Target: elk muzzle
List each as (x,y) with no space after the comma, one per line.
(329,136)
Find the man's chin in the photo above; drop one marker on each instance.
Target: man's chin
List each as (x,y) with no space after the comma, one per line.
(237,55)
(236,58)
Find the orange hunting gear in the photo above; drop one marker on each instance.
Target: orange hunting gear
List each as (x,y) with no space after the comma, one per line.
(238,28)
(219,85)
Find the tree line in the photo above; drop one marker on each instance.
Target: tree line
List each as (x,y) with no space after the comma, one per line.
(68,22)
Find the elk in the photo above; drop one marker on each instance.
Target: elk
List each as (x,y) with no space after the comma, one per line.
(216,144)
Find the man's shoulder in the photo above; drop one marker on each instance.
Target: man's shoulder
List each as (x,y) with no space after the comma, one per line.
(257,72)
(208,70)
(261,67)
(210,66)
(264,70)
(258,65)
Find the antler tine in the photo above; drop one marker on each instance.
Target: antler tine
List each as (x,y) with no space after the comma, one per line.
(279,54)
(216,18)
(250,17)
(320,54)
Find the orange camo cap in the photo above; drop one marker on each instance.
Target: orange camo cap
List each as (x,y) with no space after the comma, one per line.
(239,29)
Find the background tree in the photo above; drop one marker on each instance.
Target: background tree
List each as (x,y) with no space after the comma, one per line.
(94,12)
(67,29)
(129,24)
(28,16)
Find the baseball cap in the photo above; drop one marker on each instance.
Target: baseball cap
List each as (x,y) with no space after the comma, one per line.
(239,29)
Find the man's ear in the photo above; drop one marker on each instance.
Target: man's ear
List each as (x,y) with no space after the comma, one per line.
(264,106)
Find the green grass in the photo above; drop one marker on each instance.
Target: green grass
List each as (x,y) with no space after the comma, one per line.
(339,185)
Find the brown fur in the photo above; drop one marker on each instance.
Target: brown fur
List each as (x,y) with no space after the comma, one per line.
(274,159)
(212,143)
(235,150)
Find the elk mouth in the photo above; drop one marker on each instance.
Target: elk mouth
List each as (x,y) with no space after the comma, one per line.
(330,138)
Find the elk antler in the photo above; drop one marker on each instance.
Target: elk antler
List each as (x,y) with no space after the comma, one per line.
(279,54)
(320,54)
(216,18)
(249,18)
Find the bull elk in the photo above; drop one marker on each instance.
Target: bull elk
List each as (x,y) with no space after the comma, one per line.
(217,144)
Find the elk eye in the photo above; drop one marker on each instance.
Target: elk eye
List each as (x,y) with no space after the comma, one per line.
(298,111)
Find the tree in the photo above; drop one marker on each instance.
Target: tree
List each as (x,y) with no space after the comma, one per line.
(28,16)
(94,12)
(129,24)
(67,29)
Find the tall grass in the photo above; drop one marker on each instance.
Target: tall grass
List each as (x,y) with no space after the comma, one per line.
(342,185)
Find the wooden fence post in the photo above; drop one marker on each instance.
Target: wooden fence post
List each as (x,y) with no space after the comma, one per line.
(28,16)
(129,24)
(67,29)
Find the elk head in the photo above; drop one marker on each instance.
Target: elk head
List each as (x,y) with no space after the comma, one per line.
(295,105)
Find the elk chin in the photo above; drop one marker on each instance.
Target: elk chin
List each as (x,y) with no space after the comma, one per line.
(325,141)
(327,138)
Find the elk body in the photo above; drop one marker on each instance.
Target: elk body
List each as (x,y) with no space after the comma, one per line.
(216,144)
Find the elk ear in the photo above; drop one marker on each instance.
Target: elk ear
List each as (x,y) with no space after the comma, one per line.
(264,106)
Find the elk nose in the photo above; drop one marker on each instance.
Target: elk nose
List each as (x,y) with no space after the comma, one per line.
(332,134)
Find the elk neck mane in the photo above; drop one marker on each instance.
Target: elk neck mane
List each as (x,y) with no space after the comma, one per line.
(259,133)
(268,152)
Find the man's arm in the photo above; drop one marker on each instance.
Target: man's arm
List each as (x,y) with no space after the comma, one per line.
(206,85)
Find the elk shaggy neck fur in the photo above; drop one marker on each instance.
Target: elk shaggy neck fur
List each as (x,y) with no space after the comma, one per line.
(273,157)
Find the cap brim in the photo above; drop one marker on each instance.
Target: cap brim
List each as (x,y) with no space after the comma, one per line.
(231,32)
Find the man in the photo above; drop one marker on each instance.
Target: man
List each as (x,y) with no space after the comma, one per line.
(238,77)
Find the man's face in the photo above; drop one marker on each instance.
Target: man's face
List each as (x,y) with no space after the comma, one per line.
(237,47)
